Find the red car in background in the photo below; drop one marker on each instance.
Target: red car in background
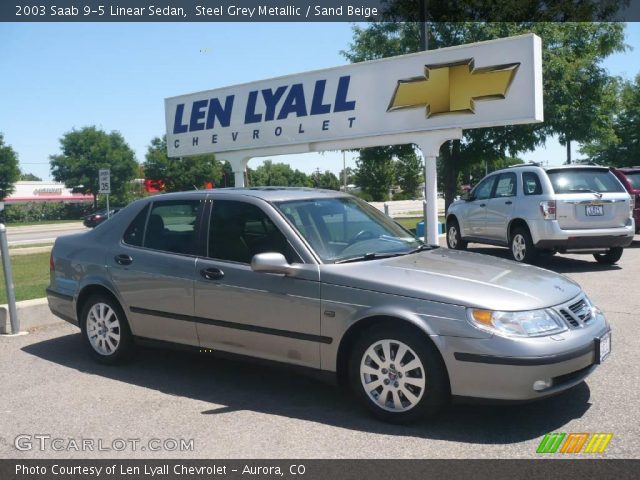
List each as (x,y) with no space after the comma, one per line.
(630,178)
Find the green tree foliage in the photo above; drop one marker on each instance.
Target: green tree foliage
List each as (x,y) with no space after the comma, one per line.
(351,176)
(86,151)
(278,174)
(9,170)
(180,174)
(577,98)
(376,171)
(326,180)
(409,171)
(29,177)
(623,148)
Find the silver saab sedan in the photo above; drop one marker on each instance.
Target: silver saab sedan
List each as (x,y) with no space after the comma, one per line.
(322,280)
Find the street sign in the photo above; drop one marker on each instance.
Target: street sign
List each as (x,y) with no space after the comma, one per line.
(104,180)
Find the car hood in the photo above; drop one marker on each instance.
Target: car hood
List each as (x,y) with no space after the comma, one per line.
(461,278)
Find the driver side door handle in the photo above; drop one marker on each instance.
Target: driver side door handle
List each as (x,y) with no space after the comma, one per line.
(212,273)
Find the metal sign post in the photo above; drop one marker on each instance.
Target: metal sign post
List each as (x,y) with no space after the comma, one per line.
(104,180)
(8,279)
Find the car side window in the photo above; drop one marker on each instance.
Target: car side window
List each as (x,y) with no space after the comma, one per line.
(172,226)
(506,186)
(531,183)
(484,188)
(239,230)
(135,231)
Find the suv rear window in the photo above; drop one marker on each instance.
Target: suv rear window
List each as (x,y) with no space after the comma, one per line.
(576,180)
(634,179)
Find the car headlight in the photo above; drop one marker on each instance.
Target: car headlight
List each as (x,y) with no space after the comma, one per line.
(531,323)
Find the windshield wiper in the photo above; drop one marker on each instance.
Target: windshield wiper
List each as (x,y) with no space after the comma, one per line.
(595,192)
(423,247)
(370,256)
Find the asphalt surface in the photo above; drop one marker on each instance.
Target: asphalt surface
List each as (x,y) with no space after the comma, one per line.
(46,233)
(234,409)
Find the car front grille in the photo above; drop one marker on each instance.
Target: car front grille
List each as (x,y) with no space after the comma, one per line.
(577,314)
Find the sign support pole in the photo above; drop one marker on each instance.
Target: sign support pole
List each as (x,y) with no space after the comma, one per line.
(429,144)
(8,278)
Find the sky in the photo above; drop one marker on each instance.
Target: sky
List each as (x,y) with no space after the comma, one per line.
(57,77)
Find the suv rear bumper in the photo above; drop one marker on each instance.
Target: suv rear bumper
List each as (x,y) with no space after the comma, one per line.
(548,235)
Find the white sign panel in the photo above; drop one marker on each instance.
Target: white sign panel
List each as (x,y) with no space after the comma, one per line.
(486,84)
(104,180)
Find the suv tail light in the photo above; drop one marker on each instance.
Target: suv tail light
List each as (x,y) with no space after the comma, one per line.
(52,266)
(548,209)
(632,205)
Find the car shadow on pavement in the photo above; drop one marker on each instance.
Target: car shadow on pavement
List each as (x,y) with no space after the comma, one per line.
(557,263)
(242,385)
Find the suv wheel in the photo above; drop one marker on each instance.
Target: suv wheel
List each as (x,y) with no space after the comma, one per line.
(522,249)
(105,330)
(397,375)
(610,257)
(454,240)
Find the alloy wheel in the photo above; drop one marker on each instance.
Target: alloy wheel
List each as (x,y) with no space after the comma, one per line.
(452,237)
(519,247)
(103,329)
(392,375)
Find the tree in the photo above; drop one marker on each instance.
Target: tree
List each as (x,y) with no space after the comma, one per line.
(88,150)
(180,174)
(409,171)
(376,172)
(278,175)
(29,177)
(351,176)
(9,170)
(623,148)
(326,180)
(576,88)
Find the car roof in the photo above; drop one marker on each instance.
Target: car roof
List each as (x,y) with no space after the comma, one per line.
(270,194)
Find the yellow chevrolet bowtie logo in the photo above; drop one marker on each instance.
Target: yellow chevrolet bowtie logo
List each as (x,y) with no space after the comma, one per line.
(453,87)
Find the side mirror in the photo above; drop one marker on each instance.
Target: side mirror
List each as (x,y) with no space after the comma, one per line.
(271,263)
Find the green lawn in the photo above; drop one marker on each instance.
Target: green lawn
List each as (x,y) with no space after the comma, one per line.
(30,276)
(410,223)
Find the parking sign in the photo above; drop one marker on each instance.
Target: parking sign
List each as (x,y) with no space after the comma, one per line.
(104,178)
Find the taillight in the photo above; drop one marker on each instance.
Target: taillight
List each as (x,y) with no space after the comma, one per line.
(548,209)
(632,205)
(52,265)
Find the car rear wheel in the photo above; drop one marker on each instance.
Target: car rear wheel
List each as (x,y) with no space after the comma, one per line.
(522,249)
(610,257)
(397,375)
(105,330)
(454,240)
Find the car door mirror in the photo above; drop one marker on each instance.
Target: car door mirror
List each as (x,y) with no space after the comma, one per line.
(271,262)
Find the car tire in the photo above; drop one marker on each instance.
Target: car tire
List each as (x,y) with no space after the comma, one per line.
(454,239)
(610,257)
(521,246)
(105,330)
(413,387)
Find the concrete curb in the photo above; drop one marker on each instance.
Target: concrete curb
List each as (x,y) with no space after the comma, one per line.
(31,313)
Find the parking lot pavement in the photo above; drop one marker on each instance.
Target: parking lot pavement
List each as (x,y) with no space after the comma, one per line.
(234,409)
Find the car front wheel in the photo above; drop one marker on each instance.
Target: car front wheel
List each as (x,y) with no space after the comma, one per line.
(397,375)
(610,257)
(105,330)
(454,239)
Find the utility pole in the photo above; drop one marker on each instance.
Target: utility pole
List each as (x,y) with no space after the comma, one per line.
(424,45)
(344,170)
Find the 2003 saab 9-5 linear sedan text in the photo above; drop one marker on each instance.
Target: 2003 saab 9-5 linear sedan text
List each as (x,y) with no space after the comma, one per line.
(323,280)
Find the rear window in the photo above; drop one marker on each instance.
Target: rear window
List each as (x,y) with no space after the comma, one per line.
(584,180)
(634,179)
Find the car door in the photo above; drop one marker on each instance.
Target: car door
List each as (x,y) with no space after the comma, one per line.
(476,208)
(500,207)
(265,315)
(153,269)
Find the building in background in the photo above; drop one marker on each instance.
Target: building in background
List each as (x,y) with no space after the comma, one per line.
(45,191)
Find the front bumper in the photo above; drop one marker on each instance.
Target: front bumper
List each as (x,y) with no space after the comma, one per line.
(507,369)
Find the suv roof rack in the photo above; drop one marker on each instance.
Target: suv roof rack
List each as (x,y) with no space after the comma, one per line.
(528,164)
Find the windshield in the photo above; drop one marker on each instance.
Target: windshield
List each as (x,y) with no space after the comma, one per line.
(634,179)
(342,228)
(584,180)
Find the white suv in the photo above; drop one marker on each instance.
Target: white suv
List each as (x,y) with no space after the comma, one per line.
(569,209)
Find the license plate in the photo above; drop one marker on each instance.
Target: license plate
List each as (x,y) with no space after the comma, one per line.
(594,210)
(603,346)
